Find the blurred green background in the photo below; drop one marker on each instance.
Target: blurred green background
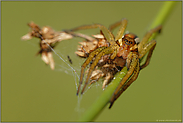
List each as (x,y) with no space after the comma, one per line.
(31,91)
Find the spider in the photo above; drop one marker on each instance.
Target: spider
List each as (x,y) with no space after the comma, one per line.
(125,47)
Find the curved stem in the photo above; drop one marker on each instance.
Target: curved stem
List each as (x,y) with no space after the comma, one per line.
(104,98)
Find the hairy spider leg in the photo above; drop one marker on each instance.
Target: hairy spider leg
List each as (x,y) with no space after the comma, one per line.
(122,28)
(132,79)
(91,56)
(115,25)
(108,35)
(147,37)
(123,24)
(80,35)
(148,47)
(91,26)
(133,58)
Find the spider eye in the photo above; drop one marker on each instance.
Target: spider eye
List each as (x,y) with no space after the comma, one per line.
(126,40)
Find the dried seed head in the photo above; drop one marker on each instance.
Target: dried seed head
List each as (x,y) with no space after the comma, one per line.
(48,37)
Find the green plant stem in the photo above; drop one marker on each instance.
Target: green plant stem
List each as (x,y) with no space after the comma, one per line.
(104,98)
(162,16)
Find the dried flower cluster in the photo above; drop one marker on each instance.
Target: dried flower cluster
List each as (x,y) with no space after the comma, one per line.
(48,40)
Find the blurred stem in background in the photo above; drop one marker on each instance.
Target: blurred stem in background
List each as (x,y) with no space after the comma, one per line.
(95,109)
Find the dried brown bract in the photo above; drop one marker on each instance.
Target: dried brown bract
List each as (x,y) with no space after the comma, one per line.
(88,46)
(49,38)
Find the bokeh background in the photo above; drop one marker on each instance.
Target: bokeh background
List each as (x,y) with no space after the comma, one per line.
(31,91)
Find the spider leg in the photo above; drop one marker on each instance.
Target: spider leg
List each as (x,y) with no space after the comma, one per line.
(132,79)
(147,36)
(92,26)
(80,35)
(106,51)
(113,54)
(121,29)
(115,25)
(108,35)
(148,47)
(134,61)
(92,54)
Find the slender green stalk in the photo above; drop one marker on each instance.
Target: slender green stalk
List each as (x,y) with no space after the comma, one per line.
(104,98)
(162,16)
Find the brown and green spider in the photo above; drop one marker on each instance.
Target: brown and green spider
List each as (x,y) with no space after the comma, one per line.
(123,46)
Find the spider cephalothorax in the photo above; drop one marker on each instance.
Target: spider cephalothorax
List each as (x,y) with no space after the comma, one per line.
(128,42)
(124,48)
